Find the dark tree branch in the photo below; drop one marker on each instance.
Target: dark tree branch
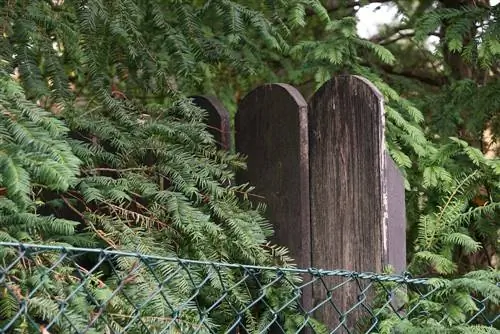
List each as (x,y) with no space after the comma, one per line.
(415,74)
(334,5)
(397,37)
(389,32)
(395,34)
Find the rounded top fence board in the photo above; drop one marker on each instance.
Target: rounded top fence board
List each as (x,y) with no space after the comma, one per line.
(346,163)
(271,129)
(218,120)
(366,84)
(348,214)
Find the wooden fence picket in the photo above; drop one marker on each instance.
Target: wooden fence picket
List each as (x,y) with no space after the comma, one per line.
(271,129)
(217,121)
(349,200)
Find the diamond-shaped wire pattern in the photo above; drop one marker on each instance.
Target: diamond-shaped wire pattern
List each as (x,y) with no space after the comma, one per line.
(52,289)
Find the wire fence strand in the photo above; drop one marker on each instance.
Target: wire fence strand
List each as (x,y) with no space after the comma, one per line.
(54,289)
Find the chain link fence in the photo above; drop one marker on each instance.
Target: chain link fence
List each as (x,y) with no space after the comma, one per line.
(53,289)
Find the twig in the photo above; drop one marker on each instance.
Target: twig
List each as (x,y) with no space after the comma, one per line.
(75,210)
(99,233)
(124,170)
(334,5)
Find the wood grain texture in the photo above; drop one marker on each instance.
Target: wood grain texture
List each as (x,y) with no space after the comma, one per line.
(348,195)
(217,121)
(271,129)
(334,197)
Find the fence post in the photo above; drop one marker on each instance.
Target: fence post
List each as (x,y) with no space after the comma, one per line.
(271,129)
(396,217)
(217,121)
(349,182)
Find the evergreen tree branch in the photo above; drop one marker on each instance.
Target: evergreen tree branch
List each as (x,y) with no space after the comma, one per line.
(426,78)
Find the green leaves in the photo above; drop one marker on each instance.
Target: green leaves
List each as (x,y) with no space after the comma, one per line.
(441,233)
(461,24)
(436,176)
(99,146)
(15,179)
(382,53)
(33,147)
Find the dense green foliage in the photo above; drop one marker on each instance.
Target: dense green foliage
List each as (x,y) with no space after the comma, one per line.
(100,147)
(150,176)
(132,166)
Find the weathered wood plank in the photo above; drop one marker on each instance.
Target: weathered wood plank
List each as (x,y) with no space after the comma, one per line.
(218,120)
(348,190)
(271,129)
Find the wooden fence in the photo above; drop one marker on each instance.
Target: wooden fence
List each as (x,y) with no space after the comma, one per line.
(334,195)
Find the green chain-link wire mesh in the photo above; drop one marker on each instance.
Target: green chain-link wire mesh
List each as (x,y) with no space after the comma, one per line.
(52,289)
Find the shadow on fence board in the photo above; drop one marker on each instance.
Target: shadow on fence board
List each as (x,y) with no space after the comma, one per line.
(271,129)
(333,194)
